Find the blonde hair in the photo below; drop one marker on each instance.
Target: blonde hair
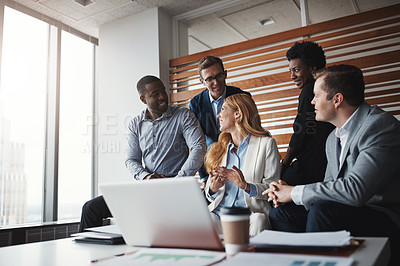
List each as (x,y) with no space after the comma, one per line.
(249,122)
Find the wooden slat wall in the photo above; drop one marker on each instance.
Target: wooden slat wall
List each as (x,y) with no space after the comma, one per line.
(369,40)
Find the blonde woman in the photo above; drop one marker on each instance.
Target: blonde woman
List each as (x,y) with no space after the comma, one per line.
(242,163)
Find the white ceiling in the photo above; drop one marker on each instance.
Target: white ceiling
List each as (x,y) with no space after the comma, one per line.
(220,26)
(88,18)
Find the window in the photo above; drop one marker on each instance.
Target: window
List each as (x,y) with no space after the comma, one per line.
(23,117)
(27,121)
(76,109)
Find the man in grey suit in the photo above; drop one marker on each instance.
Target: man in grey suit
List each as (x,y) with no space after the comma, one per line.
(360,191)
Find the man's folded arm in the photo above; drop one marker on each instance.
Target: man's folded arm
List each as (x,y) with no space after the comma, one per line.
(370,172)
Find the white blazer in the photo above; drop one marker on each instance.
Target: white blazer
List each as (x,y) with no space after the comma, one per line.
(261,168)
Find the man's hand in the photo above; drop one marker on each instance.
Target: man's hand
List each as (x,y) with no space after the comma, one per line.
(154,176)
(279,193)
(235,176)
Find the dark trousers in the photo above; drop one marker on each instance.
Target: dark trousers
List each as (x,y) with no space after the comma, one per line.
(93,213)
(332,216)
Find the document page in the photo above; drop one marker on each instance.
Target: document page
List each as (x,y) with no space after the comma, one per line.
(109,229)
(164,256)
(255,259)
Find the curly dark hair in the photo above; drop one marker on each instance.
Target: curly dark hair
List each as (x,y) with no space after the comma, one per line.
(141,84)
(310,54)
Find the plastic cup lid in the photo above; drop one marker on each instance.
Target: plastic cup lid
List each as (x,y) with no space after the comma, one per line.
(234,211)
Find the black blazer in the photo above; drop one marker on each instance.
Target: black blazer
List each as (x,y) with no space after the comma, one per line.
(308,142)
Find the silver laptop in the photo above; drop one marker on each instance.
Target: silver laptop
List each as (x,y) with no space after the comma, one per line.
(170,212)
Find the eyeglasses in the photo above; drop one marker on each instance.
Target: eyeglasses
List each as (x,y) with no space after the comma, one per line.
(219,77)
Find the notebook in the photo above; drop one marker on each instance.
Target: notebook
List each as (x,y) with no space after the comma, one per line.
(170,212)
(98,238)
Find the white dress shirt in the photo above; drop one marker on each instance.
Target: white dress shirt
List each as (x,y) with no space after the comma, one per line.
(343,134)
(217,104)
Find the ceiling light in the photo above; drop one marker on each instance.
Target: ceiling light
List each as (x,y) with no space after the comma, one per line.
(85,3)
(267,21)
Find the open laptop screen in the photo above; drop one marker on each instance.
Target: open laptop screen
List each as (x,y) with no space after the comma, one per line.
(170,212)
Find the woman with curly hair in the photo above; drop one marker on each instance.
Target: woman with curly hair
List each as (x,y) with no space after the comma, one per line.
(307,143)
(242,163)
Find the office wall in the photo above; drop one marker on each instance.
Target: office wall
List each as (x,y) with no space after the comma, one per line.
(128,49)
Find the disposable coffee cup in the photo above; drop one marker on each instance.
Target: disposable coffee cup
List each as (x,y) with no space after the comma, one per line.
(235,229)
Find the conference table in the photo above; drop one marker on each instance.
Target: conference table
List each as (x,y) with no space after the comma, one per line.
(373,251)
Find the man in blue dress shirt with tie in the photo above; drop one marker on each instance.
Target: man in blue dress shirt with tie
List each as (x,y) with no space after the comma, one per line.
(208,103)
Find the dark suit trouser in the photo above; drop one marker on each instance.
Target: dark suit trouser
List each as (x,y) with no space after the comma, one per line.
(93,212)
(331,216)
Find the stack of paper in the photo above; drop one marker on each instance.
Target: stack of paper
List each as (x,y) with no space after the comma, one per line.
(301,241)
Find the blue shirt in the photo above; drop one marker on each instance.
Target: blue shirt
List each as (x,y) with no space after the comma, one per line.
(163,145)
(234,196)
(217,106)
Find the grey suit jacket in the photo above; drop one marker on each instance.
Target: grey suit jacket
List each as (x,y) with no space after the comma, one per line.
(370,172)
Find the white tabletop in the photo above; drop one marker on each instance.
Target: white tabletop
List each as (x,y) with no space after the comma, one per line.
(374,251)
(59,252)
